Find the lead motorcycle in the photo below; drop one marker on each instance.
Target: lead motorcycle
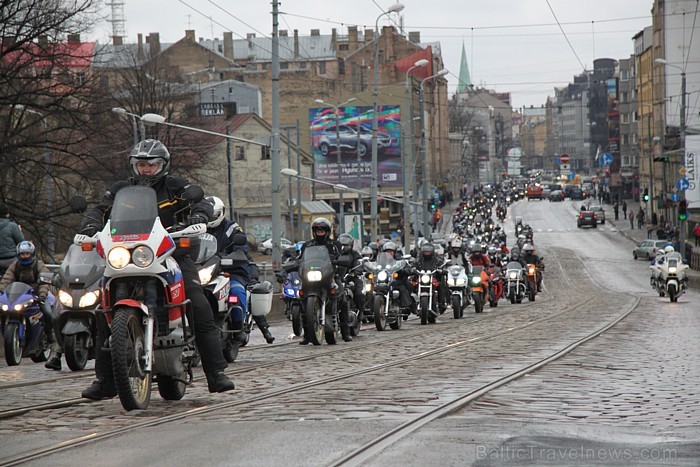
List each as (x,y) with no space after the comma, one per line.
(428,285)
(320,295)
(671,276)
(22,324)
(143,297)
(79,279)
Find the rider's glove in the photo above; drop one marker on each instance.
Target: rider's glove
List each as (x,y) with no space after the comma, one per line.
(42,297)
(195,220)
(90,230)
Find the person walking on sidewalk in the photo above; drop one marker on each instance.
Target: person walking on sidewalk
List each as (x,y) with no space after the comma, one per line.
(616,208)
(640,219)
(696,232)
(624,209)
(631,220)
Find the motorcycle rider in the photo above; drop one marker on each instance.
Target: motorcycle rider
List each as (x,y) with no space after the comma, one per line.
(457,256)
(26,268)
(346,249)
(230,238)
(478,258)
(149,165)
(529,257)
(428,261)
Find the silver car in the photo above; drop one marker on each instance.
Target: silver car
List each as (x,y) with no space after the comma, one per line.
(349,139)
(648,249)
(599,212)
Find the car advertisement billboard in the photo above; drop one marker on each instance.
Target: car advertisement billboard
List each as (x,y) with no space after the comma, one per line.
(355,144)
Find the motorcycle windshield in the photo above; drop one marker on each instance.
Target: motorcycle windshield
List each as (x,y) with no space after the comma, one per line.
(16,290)
(386,261)
(134,211)
(456,270)
(316,258)
(81,267)
(515,265)
(207,248)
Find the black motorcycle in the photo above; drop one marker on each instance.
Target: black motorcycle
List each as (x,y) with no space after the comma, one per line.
(319,294)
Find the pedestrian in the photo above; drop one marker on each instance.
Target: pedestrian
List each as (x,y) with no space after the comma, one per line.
(624,209)
(696,232)
(10,236)
(640,218)
(616,208)
(631,220)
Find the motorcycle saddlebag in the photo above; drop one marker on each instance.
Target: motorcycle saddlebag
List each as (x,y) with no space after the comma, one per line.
(261,298)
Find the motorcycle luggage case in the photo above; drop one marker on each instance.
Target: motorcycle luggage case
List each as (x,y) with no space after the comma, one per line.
(261,298)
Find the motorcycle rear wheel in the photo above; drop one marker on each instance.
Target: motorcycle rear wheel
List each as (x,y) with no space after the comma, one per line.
(76,351)
(531,295)
(331,329)
(395,317)
(43,353)
(128,346)
(231,345)
(313,331)
(379,316)
(13,346)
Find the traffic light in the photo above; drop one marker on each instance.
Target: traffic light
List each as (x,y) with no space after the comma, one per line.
(432,205)
(682,210)
(645,197)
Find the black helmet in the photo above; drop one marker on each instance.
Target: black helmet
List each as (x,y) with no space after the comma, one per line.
(321,224)
(153,152)
(427,250)
(347,242)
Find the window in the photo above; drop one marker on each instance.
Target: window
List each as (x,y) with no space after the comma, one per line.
(239,153)
(265,153)
(284,65)
(322,68)
(343,47)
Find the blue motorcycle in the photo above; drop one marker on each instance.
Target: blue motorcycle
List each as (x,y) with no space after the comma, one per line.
(22,324)
(291,287)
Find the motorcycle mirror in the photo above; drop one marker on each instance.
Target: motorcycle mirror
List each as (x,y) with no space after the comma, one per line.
(77,204)
(46,277)
(407,257)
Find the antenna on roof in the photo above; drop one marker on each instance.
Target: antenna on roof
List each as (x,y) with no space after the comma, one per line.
(118,21)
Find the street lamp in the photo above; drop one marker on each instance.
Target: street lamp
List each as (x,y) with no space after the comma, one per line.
(341,220)
(683,226)
(405,163)
(134,117)
(48,181)
(395,8)
(424,147)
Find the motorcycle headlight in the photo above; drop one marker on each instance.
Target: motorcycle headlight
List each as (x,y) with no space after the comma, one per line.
(368,287)
(296,282)
(118,257)
(460,281)
(289,292)
(89,299)
(672,270)
(382,276)
(476,280)
(513,275)
(205,274)
(142,256)
(314,276)
(531,270)
(5,307)
(451,282)
(425,279)
(65,298)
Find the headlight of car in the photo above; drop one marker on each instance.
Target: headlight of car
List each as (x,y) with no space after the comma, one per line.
(205,274)
(89,299)
(118,257)
(425,279)
(314,276)
(382,276)
(65,298)
(142,256)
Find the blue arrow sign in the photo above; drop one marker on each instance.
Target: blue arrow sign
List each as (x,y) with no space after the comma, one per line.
(682,184)
(675,197)
(605,159)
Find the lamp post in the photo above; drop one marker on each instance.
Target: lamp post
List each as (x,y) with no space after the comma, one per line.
(48,181)
(406,163)
(681,122)
(651,163)
(134,118)
(424,147)
(395,8)
(341,219)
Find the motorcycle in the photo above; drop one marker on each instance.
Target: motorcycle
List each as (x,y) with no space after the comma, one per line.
(515,285)
(22,324)
(386,308)
(428,295)
(355,314)
(319,293)
(292,310)
(478,281)
(532,272)
(671,277)
(458,281)
(143,297)
(495,283)
(79,279)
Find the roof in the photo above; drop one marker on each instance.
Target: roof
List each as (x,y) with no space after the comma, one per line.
(122,56)
(59,55)
(316,207)
(260,48)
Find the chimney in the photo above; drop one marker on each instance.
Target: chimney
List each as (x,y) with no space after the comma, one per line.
(228,45)
(414,36)
(154,41)
(139,48)
(43,40)
(74,38)
(117,40)
(296,43)
(8,41)
(315,32)
(369,35)
(334,38)
(283,33)
(352,34)
(189,35)
(250,35)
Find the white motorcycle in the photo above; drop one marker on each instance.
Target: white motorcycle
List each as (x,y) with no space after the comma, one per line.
(516,288)
(669,276)
(458,283)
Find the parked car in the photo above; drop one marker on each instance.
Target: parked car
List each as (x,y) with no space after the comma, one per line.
(349,140)
(588,218)
(266,246)
(599,211)
(556,195)
(648,248)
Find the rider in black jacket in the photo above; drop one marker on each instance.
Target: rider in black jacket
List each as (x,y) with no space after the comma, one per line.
(149,164)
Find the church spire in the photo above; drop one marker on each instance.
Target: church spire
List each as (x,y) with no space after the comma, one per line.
(465,82)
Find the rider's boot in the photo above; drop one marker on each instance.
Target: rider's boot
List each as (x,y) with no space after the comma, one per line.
(219,382)
(261,321)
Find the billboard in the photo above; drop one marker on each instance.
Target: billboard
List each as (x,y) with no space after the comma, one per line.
(353,137)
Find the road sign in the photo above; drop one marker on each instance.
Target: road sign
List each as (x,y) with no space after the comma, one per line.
(564,158)
(564,167)
(605,159)
(675,197)
(682,184)
(681,171)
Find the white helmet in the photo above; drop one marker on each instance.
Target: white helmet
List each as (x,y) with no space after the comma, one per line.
(669,249)
(218,211)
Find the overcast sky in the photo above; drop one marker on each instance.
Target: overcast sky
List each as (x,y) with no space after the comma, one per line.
(511,45)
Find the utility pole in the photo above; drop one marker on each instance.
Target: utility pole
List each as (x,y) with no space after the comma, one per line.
(275,152)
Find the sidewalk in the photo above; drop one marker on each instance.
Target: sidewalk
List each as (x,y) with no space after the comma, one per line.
(637,236)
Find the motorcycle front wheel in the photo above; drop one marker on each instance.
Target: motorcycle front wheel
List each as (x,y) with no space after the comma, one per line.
(313,330)
(424,309)
(457,306)
(672,293)
(128,344)
(43,351)
(295,315)
(76,351)
(379,316)
(478,302)
(13,346)
(395,316)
